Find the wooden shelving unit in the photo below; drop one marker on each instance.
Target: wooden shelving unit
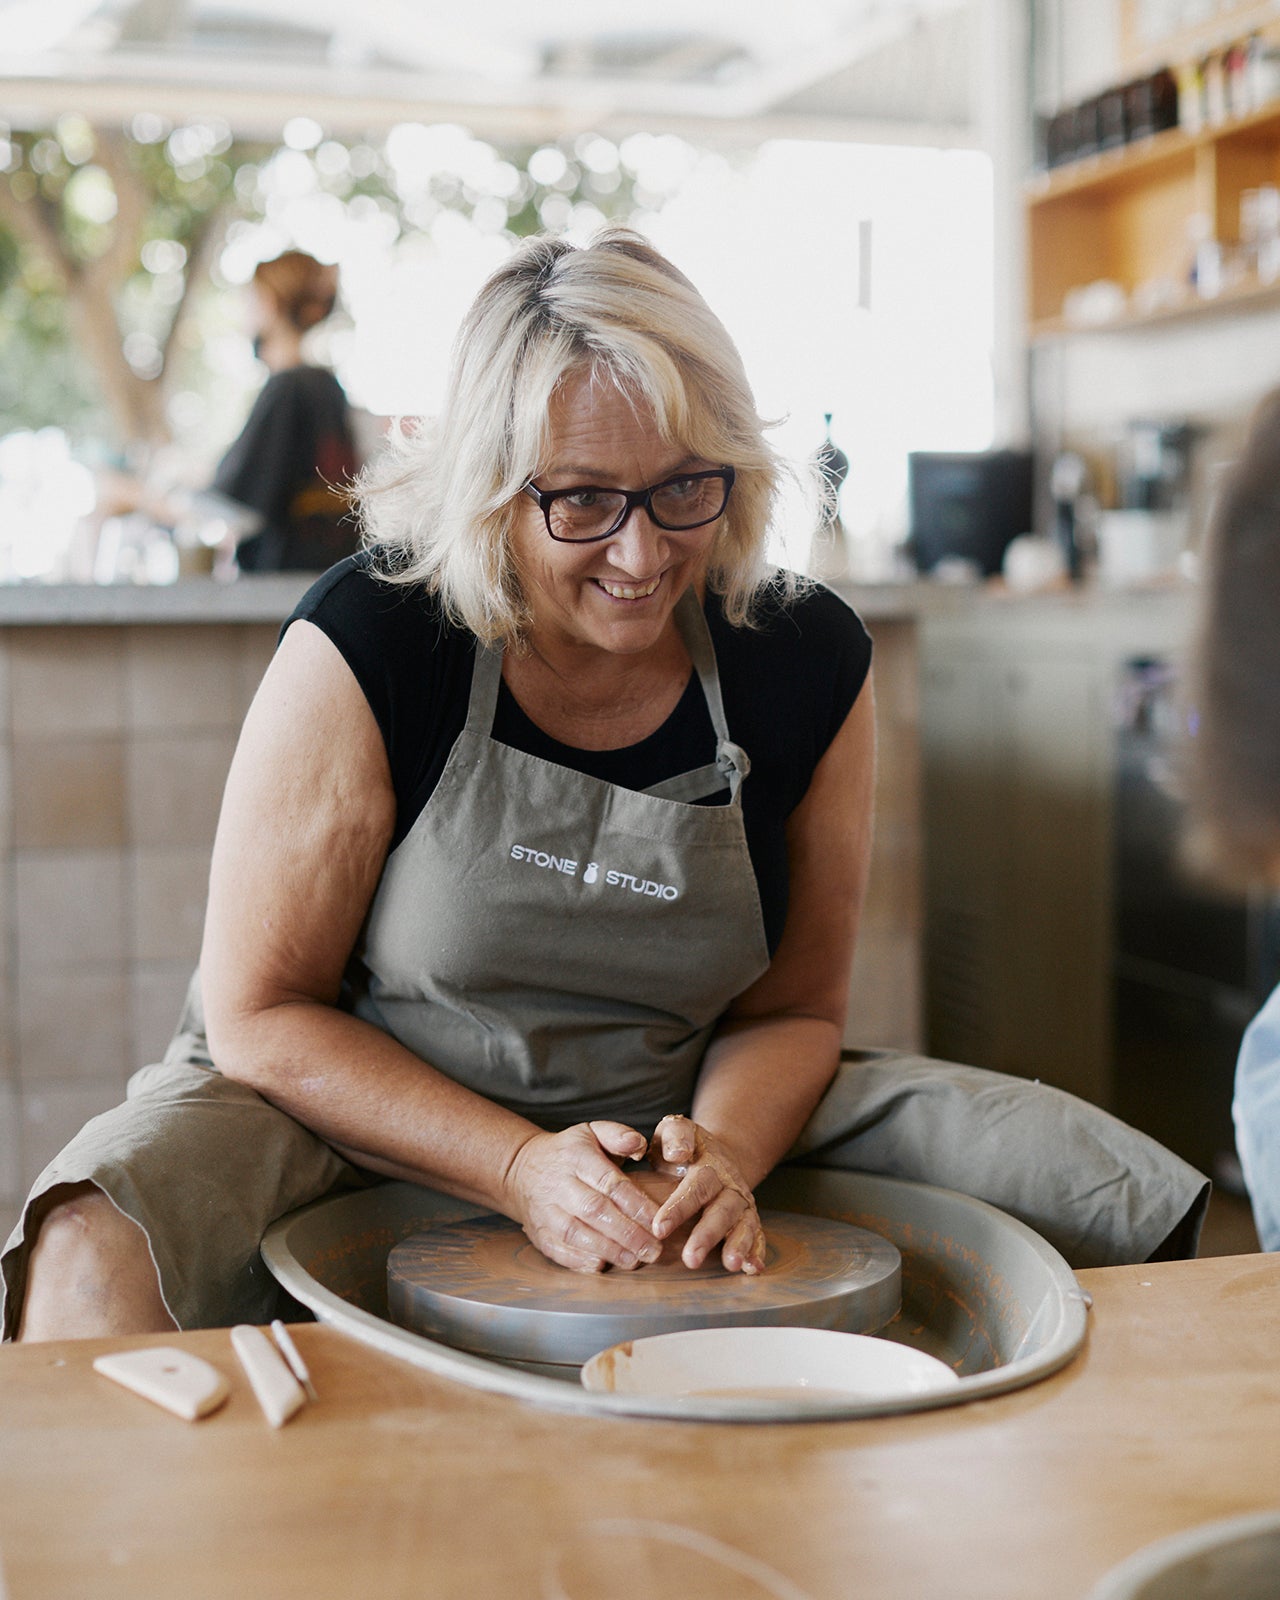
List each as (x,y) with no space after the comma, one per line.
(1126,216)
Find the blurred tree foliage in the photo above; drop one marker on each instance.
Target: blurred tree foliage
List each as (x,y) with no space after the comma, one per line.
(107,235)
(83,307)
(42,380)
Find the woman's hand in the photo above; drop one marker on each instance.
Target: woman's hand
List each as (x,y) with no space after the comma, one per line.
(569,1195)
(710,1182)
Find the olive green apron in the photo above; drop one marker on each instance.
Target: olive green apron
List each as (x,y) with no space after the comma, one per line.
(559,944)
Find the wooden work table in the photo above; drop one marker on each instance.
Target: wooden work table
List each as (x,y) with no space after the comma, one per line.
(399,1484)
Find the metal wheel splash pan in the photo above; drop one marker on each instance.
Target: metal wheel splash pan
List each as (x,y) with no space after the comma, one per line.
(980,1291)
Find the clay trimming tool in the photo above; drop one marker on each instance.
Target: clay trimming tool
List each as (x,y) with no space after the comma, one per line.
(278,1392)
(175,1379)
(293,1356)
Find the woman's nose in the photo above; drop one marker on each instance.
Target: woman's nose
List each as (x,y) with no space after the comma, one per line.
(639,544)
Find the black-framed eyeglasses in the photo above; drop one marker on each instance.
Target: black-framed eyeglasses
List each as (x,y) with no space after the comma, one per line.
(584,513)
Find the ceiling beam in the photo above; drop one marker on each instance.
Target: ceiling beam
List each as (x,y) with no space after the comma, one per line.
(356,108)
(794,73)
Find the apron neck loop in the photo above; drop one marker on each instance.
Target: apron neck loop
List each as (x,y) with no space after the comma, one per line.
(731,763)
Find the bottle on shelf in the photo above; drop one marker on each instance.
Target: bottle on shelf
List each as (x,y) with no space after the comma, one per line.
(829,556)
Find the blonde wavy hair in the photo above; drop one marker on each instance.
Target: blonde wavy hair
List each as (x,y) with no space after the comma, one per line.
(438,503)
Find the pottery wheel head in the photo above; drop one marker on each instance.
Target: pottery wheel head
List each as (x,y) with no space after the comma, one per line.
(480,1285)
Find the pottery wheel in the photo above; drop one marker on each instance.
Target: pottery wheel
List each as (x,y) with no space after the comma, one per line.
(481,1286)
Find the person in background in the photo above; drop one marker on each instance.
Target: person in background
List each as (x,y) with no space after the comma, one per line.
(296,456)
(1234,766)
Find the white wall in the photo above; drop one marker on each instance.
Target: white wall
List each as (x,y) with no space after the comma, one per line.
(1077,48)
(1002,109)
(1089,56)
(1214,369)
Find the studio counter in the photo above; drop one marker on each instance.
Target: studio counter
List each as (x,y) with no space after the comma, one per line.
(204,601)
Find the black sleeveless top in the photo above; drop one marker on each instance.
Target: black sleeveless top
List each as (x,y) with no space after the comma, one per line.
(788,684)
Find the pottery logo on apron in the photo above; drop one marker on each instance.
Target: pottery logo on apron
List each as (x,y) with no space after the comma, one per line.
(594,872)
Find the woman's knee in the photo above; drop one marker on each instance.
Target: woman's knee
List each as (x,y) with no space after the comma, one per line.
(77,1218)
(89,1270)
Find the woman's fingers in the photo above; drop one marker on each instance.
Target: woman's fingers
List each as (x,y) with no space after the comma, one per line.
(695,1190)
(580,1249)
(575,1260)
(744,1248)
(734,1220)
(573,1243)
(710,1184)
(627,1197)
(621,1214)
(676,1138)
(577,1206)
(619,1140)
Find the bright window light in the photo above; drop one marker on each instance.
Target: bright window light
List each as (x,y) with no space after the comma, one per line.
(901,359)
(856,280)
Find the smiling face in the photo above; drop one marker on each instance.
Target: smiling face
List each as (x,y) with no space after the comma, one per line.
(616,595)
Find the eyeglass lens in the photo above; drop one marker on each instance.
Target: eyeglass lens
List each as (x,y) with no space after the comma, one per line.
(681,503)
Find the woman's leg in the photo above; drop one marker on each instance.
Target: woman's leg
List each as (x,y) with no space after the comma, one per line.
(90,1272)
(1100,1192)
(151,1218)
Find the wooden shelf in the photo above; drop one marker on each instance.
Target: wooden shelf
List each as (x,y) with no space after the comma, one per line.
(1112,169)
(1128,216)
(1251,295)
(1132,163)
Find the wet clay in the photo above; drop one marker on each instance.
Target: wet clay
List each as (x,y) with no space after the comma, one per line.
(481,1285)
(658,1187)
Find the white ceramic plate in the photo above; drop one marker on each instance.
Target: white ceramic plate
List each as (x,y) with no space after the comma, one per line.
(796,1366)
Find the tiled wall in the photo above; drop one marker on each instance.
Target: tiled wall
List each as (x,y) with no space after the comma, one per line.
(114,747)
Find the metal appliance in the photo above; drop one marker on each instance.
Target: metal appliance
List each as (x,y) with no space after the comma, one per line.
(967,506)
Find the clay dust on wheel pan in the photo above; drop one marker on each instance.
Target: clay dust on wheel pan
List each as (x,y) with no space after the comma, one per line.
(481,1286)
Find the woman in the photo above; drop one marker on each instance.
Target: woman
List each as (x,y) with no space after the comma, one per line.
(295,457)
(1235,762)
(543,850)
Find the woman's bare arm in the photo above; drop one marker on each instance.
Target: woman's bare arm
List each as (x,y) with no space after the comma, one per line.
(306,821)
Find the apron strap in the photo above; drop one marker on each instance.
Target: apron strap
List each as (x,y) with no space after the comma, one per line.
(486,675)
(692,623)
(731,764)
